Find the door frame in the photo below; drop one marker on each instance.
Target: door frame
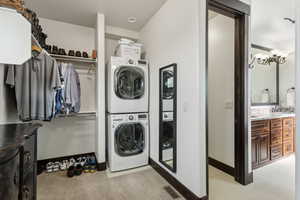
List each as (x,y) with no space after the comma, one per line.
(241,13)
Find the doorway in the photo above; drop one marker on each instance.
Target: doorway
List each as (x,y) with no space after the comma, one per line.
(235,108)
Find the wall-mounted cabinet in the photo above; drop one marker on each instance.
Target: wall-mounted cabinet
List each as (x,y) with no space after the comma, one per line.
(15,37)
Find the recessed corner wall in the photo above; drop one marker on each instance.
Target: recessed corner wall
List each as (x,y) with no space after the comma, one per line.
(176,34)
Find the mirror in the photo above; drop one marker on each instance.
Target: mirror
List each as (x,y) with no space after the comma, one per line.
(264,78)
(167,116)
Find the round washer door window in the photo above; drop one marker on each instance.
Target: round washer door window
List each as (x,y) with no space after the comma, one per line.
(130,139)
(129,83)
(168,86)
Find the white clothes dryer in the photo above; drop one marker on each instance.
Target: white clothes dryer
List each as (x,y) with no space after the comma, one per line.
(127,86)
(128,141)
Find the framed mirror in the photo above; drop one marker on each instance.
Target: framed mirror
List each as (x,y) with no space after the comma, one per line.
(168,116)
(264,77)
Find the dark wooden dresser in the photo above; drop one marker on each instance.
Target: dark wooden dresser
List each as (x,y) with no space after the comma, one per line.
(272,139)
(18,161)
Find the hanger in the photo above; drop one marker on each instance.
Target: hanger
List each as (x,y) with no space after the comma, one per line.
(36,48)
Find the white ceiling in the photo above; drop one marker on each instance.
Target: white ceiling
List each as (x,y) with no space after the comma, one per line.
(83,12)
(268,27)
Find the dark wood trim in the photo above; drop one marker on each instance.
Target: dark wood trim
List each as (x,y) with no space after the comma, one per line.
(256,46)
(221,166)
(101,166)
(183,190)
(174,168)
(233,6)
(41,164)
(240,12)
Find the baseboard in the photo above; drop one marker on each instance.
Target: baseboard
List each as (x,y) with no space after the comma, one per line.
(183,190)
(221,166)
(41,164)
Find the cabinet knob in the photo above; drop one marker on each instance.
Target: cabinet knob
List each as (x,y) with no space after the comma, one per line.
(25,193)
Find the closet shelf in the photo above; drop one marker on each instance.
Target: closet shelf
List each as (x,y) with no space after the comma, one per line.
(73,59)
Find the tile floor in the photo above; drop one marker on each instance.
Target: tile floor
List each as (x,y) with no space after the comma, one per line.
(142,184)
(273,182)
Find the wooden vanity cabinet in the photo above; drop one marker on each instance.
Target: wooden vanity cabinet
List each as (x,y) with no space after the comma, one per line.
(271,139)
(260,142)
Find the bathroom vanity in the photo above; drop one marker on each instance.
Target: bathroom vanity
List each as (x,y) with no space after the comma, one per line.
(273,137)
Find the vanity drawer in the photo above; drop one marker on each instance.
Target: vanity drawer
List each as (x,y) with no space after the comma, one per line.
(288,147)
(276,152)
(288,122)
(288,134)
(260,127)
(276,136)
(276,123)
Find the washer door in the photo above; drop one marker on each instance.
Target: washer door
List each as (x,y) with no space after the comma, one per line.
(130,139)
(168,86)
(129,83)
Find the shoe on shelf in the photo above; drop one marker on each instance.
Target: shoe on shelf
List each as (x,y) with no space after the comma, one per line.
(78,170)
(71,171)
(56,166)
(63,165)
(49,167)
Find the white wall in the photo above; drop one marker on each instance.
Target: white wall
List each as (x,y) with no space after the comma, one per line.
(69,36)
(100,135)
(297,76)
(221,89)
(68,136)
(287,77)
(176,33)
(8,111)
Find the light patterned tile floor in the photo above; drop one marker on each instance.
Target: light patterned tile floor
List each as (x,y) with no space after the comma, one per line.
(272,182)
(138,185)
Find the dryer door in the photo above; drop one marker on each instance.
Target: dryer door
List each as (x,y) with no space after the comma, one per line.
(129,83)
(130,139)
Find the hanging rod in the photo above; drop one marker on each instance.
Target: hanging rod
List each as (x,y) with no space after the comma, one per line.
(74,59)
(84,114)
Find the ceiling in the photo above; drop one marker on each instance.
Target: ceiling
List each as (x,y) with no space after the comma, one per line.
(268,27)
(83,12)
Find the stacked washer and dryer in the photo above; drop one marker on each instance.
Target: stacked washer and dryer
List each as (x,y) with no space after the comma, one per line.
(127,108)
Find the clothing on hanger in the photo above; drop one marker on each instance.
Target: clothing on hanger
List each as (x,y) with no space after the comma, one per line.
(68,98)
(35,83)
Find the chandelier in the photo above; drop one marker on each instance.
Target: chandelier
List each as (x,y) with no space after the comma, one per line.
(264,59)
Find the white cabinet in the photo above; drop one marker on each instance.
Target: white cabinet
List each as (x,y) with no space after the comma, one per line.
(15,37)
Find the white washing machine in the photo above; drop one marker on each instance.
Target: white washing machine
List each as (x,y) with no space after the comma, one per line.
(127,86)
(128,141)
(168,90)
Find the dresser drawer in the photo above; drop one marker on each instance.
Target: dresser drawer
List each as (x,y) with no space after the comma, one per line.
(288,147)
(276,152)
(288,122)
(276,136)
(28,187)
(288,133)
(29,154)
(260,127)
(276,123)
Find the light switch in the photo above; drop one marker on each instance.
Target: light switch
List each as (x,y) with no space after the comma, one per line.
(185,106)
(229,105)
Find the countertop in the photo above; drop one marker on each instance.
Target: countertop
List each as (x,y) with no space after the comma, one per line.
(272,116)
(12,136)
